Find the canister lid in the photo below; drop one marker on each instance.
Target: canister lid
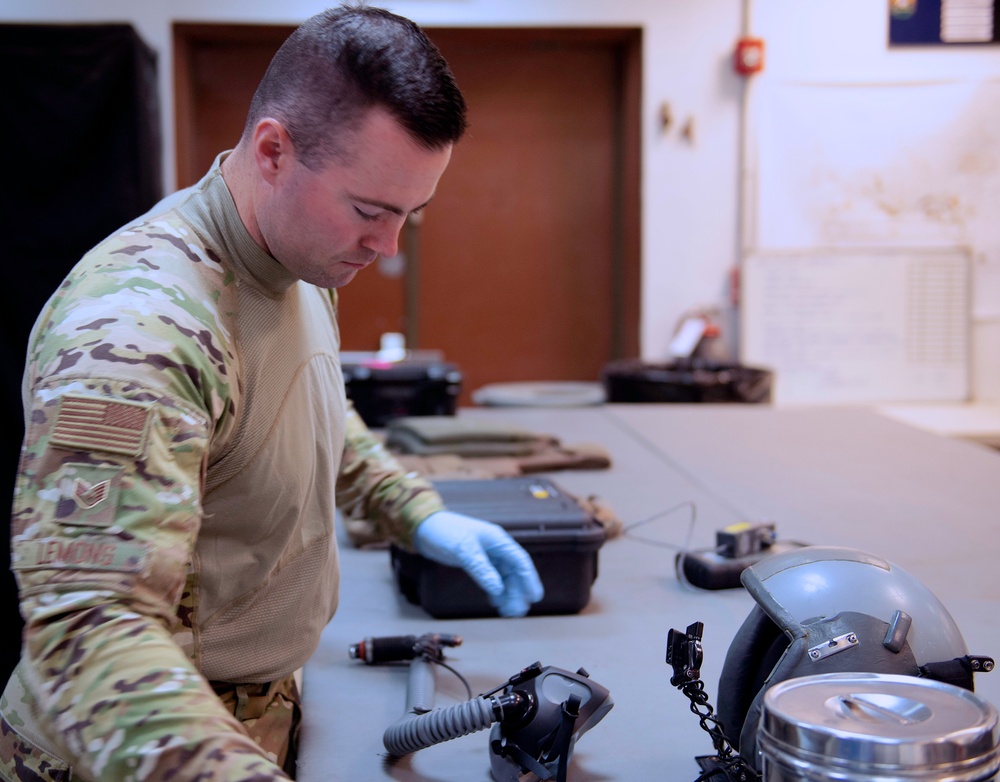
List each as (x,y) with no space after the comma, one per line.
(855,720)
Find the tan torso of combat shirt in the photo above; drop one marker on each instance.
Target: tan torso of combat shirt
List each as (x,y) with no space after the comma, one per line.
(264,579)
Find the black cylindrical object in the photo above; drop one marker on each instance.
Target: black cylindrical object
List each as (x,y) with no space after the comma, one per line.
(685,381)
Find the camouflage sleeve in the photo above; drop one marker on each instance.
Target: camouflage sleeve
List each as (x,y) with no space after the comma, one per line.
(372,485)
(106,509)
(126,381)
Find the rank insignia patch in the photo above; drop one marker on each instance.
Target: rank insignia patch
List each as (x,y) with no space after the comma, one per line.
(90,495)
(90,423)
(86,495)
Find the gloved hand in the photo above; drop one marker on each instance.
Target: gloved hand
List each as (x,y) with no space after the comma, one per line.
(484,550)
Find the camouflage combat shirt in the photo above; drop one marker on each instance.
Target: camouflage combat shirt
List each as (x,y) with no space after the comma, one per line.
(173,518)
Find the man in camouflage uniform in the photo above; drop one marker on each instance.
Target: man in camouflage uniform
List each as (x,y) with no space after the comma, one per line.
(188,437)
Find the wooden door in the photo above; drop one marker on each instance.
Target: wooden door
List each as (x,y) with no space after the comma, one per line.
(521,246)
(525,265)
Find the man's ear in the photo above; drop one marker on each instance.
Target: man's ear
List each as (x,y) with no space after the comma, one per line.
(272,148)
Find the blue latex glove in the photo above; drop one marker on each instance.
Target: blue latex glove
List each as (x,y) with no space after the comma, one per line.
(484,550)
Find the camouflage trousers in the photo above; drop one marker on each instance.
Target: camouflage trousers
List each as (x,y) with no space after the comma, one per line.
(270,713)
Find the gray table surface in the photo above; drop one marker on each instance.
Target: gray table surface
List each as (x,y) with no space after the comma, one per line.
(845,477)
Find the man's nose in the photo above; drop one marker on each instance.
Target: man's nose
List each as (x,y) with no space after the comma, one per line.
(384,241)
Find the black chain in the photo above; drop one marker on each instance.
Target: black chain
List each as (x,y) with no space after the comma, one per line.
(695,691)
(732,764)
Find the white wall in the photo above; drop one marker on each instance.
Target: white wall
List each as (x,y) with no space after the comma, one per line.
(691,206)
(934,156)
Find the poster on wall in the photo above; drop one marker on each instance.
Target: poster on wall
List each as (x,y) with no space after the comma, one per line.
(901,336)
(924,22)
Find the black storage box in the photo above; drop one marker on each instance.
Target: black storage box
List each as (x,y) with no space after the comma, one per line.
(685,381)
(383,390)
(561,537)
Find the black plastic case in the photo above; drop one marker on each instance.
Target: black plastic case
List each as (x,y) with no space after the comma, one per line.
(561,537)
(382,391)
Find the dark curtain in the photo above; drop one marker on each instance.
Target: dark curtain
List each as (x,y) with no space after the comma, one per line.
(82,140)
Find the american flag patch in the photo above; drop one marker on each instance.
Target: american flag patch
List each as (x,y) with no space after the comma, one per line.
(88,423)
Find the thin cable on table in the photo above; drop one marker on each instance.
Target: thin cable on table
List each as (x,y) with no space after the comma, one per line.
(682,550)
(465,682)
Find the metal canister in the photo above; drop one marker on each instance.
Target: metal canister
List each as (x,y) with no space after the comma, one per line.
(868,727)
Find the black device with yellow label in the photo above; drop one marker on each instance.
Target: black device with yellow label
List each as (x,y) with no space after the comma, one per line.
(737,547)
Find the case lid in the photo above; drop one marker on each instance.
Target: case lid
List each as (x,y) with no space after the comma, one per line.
(518,504)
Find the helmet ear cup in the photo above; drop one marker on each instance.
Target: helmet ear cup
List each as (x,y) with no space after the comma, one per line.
(754,652)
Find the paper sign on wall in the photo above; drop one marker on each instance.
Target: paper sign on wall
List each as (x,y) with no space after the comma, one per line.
(845,326)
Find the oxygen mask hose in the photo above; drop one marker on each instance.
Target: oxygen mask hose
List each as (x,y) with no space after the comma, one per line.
(421,726)
(537,715)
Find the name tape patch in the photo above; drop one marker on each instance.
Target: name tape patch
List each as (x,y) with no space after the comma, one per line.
(89,423)
(83,553)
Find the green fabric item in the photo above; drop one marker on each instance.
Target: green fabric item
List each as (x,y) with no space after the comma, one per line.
(450,434)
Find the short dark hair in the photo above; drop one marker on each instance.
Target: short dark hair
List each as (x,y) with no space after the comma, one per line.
(346,60)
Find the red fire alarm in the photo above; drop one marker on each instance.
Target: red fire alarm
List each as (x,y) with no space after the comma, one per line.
(749,56)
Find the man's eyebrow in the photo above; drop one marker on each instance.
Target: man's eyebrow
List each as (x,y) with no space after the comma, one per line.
(396,210)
